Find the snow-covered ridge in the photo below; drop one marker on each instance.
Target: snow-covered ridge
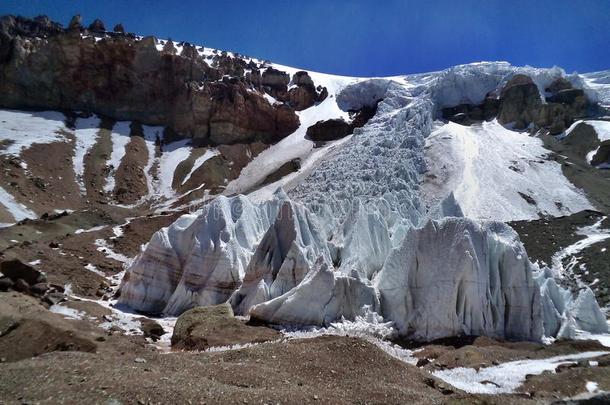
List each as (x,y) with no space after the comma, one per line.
(355,233)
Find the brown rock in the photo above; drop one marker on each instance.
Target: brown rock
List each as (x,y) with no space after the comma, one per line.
(519,99)
(126,78)
(21,285)
(151,329)
(203,327)
(329,130)
(559,84)
(39,288)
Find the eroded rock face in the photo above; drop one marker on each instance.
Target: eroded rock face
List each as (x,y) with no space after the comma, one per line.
(115,74)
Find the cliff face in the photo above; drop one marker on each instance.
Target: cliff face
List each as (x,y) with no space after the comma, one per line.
(213,97)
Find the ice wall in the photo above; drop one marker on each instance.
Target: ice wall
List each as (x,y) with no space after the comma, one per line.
(457,276)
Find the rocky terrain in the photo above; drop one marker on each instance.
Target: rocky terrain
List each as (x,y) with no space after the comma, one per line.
(182,224)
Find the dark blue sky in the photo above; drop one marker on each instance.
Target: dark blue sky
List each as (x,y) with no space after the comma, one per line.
(365,38)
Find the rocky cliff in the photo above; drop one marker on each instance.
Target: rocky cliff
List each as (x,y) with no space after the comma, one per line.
(213,97)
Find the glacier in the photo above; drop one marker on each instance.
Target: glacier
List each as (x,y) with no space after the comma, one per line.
(355,236)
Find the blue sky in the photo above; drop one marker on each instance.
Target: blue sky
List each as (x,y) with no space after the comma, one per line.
(365,38)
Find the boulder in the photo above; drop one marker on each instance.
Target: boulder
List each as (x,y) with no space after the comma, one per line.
(6,283)
(15,269)
(329,130)
(151,329)
(582,139)
(204,327)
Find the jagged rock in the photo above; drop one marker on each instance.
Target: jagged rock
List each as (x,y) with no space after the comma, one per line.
(301,97)
(304,94)
(169,47)
(582,139)
(119,29)
(337,128)
(561,83)
(76,23)
(301,78)
(15,269)
(97,26)
(466,114)
(203,327)
(521,106)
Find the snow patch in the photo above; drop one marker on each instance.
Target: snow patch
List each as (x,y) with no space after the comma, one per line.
(507,377)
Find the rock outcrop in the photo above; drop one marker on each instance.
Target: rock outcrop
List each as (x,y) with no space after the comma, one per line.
(521,105)
(602,155)
(208,98)
(337,128)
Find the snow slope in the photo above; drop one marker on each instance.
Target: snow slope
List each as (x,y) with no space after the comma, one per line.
(506,378)
(86,134)
(20,129)
(120,138)
(496,173)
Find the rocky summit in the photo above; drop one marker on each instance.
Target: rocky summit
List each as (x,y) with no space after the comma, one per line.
(181,224)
